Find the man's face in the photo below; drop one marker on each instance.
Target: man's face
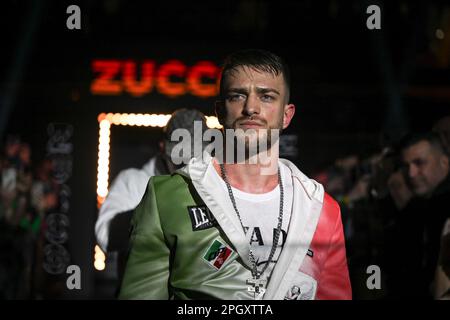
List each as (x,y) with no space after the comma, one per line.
(426,167)
(255,100)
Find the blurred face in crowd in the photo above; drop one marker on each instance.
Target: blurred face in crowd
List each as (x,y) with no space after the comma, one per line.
(12,149)
(256,100)
(25,153)
(426,167)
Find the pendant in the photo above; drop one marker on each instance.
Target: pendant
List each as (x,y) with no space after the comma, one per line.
(257,287)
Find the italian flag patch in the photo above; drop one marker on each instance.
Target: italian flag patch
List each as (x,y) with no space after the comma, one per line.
(217,254)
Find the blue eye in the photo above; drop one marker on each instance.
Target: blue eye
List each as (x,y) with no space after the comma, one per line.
(234,97)
(267,98)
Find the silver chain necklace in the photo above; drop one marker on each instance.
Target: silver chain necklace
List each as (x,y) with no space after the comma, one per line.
(256,285)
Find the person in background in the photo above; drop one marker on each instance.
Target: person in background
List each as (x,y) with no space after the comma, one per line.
(425,166)
(19,225)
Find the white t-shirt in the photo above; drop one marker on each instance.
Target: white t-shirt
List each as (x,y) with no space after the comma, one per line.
(259,214)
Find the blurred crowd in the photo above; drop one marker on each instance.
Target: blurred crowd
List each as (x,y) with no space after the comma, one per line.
(28,194)
(395,210)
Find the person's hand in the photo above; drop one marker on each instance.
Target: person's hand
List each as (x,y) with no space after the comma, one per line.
(360,190)
(347,163)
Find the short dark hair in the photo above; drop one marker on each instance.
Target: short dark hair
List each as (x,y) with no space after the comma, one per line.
(259,60)
(413,138)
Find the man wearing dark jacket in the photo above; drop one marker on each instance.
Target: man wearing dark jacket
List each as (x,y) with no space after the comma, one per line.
(417,242)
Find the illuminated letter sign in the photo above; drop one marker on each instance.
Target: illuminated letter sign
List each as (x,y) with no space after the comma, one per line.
(104,83)
(173,78)
(194,79)
(131,85)
(165,86)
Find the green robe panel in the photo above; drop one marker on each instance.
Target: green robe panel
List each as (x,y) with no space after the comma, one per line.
(169,260)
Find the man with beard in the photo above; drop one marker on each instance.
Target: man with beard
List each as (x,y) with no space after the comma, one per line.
(239,228)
